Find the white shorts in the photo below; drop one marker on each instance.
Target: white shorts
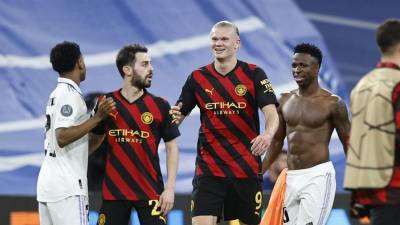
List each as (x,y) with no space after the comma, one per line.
(73,210)
(309,195)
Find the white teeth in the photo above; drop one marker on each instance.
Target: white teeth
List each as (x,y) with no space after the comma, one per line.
(298,78)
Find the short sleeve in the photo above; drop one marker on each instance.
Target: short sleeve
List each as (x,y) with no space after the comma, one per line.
(187,97)
(68,111)
(264,92)
(169,130)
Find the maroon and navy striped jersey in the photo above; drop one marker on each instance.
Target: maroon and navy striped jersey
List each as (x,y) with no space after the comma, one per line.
(133,133)
(229,118)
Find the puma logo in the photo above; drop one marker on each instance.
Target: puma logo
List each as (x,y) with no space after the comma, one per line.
(163,219)
(113,114)
(209,91)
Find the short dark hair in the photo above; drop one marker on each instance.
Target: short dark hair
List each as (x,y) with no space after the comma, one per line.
(126,56)
(388,35)
(310,49)
(64,56)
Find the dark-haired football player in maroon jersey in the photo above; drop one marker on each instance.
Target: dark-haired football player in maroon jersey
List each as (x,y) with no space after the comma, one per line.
(134,130)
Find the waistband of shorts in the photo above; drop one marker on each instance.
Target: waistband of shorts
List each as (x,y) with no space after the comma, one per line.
(315,169)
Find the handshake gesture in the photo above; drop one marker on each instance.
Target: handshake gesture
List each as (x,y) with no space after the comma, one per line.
(176,114)
(106,108)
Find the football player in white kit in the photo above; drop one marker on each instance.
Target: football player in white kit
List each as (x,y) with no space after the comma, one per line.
(62,190)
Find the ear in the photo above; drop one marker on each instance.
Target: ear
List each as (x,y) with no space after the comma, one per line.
(81,63)
(127,70)
(237,44)
(317,67)
(397,49)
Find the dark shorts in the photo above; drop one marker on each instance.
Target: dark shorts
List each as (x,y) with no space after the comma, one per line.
(235,198)
(385,214)
(118,212)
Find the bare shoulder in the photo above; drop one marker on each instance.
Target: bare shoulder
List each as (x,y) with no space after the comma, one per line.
(329,96)
(285,96)
(336,103)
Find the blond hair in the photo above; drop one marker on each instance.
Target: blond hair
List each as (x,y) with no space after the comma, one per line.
(225,23)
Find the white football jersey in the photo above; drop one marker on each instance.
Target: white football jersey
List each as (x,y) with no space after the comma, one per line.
(64,170)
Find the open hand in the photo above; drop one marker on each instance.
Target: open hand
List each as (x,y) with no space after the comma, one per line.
(167,200)
(260,144)
(106,107)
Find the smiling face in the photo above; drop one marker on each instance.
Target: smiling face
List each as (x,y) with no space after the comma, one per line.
(304,69)
(225,42)
(142,72)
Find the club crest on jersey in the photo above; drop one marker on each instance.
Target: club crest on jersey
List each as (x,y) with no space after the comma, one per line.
(147,118)
(240,89)
(66,110)
(102,219)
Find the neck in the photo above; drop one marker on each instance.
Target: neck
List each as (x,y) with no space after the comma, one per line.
(131,93)
(393,59)
(75,78)
(224,66)
(311,90)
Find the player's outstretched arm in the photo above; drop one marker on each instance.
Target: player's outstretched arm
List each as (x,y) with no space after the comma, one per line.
(261,143)
(68,135)
(276,144)
(95,141)
(168,196)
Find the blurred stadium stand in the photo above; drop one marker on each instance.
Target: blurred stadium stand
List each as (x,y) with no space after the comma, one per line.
(348,29)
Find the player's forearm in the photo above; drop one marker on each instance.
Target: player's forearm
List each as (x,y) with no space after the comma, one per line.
(66,136)
(344,138)
(271,155)
(95,142)
(179,120)
(172,162)
(271,121)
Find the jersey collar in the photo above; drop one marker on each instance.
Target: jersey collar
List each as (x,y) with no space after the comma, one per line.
(69,82)
(388,65)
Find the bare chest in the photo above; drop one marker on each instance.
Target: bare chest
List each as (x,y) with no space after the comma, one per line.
(308,112)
